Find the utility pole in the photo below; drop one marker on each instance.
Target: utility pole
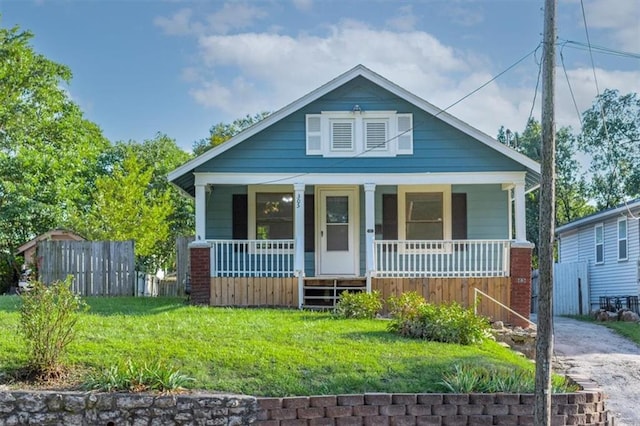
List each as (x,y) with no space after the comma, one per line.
(544,340)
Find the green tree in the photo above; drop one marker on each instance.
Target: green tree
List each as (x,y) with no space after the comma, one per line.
(611,136)
(571,194)
(128,207)
(48,151)
(222,132)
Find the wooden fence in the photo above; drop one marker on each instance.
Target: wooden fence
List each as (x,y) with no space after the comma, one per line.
(570,289)
(99,268)
(182,261)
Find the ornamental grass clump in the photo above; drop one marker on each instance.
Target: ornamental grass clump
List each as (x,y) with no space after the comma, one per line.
(48,318)
(359,305)
(446,323)
(133,377)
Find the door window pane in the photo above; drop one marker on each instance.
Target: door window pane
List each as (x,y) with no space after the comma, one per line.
(337,223)
(274,216)
(424,216)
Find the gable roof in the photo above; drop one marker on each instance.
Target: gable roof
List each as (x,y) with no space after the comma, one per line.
(533,167)
(47,236)
(601,215)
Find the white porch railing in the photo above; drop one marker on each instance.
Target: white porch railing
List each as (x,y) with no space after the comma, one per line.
(252,258)
(450,258)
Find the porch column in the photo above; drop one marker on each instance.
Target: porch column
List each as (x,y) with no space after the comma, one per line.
(201,202)
(370,229)
(520,213)
(520,272)
(200,273)
(298,236)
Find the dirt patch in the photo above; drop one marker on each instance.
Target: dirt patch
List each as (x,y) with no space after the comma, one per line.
(613,362)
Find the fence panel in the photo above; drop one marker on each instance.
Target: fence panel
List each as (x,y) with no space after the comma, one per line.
(570,289)
(99,268)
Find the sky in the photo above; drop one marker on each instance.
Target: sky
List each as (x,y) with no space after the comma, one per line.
(178,66)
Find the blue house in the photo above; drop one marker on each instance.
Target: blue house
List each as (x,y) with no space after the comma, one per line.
(607,243)
(360,184)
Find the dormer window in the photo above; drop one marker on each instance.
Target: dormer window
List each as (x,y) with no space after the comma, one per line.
(365,134)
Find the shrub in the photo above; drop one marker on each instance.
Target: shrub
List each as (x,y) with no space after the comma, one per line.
(48,317)
(447,323)
(406,306)
(465,378)
(359,305)
(133,377)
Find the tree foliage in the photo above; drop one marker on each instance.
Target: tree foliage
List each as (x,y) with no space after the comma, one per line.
(571,193)
(222,132)
(48,151)
(611,136)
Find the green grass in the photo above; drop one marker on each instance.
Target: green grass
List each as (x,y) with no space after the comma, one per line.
(629,330)
(263,352)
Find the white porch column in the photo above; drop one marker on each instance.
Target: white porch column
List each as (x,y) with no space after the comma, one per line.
(201,204)
(298,236)
(370,228)
(520,213)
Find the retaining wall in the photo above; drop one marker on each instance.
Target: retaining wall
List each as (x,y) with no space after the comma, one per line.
(124,409)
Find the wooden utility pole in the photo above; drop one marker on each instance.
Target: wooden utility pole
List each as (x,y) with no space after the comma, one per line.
(544,341)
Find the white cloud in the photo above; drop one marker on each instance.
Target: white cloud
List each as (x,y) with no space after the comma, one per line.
(620,17)
(464,15)
(232,16)
(304,5)
(405,20)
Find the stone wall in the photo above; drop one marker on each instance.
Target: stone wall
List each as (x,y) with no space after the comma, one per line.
(123,409)
(582,408)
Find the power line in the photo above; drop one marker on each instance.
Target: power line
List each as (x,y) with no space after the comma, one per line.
(573,98)
(599,49)
(440,111)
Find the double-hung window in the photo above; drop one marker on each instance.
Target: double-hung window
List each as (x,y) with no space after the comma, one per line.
(622,238)
(271,213)
(424,212)
(599,241)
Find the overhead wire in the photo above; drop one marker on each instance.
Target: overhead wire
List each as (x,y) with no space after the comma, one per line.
(440,111)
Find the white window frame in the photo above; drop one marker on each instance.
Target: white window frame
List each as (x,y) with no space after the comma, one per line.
(252,190)
(359,118)
(597,227)
(625,238)
(446,207)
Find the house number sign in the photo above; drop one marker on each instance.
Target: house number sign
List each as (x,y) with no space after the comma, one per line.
(298,201)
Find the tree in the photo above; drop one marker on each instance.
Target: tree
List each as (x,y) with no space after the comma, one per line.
(128,207)
(611,136)
(571,188)
(48,151)
(222,132)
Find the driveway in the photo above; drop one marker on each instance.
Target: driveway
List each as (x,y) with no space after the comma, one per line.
(613,362)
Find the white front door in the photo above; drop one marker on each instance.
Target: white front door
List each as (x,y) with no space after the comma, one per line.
(338,245)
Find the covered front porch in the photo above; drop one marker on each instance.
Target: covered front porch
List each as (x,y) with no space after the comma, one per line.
(359,236)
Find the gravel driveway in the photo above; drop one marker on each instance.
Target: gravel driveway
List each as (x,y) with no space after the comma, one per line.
(613,362)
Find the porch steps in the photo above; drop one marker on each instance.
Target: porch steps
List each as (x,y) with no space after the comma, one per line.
(324,293)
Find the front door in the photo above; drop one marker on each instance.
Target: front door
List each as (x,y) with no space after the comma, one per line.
(338,230)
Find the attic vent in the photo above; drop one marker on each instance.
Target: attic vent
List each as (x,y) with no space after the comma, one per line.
(342,135)
(376,135)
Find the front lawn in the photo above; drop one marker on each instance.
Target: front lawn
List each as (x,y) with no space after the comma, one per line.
(263,352)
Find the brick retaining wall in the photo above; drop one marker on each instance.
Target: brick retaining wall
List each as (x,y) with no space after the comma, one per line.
(378,409)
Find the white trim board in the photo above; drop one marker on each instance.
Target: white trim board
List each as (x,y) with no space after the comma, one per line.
(459,178)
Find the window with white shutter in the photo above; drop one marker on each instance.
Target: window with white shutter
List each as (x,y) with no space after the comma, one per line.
(342,135)
(376,135)
(405,133)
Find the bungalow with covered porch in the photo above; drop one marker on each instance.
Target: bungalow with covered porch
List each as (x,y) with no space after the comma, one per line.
(360,185)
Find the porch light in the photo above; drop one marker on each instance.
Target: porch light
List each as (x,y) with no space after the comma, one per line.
(356,108)
(287,198)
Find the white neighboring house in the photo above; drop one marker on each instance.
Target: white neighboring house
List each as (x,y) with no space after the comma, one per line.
(609,243)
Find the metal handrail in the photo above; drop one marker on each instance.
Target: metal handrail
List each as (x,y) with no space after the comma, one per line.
(475,305)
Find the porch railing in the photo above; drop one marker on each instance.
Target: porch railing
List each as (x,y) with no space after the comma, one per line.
(252,258)
(449,258)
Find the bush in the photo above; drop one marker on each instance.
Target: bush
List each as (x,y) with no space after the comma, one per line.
(477,378)
(133,377)
(407,306)
(48,317)
(447,323)
(359,305)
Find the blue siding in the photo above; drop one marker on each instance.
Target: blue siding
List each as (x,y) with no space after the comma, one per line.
(219,215)
(487,211)
(438,147)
